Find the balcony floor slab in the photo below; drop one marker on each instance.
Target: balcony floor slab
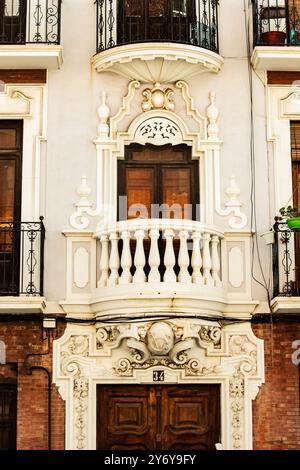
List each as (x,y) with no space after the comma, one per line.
(31,56)
(278,58)
(22,305)
(153,62)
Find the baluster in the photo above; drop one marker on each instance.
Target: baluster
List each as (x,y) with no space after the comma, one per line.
(215,260)
(207,260)
(169,258)
(139,257)
(104,260)
(197,259)
(126,259)
(154,258)
(114,260)
(183,258)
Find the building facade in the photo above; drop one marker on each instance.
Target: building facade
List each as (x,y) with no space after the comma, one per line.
(148,299)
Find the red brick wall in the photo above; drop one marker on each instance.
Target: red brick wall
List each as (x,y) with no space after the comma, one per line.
(22,338)
(276,410)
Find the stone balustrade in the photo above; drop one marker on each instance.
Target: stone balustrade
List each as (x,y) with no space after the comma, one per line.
(159,251)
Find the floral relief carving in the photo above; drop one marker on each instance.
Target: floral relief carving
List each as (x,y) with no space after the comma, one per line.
(106,335)
(71,366)
(211,334)
(239,345)
(236,391)
(81,391)
(78,345)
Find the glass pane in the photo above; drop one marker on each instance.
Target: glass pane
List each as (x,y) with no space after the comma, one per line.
(140,192)
(8,138)
(12,7)
(179,7)
(176,192)
(7,193)
(158,7)
(150,154)
(132,7)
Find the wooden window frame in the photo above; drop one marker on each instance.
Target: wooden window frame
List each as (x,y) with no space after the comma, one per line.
(16,155)
(187,162)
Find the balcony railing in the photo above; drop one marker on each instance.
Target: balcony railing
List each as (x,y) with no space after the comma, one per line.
(192,22)
(30,21)
(276,23)
(21,258)
(145,251)
(285,270)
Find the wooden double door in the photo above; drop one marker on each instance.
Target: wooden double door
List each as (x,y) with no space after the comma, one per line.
(140,417)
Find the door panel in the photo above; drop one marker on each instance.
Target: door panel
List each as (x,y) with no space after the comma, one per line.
(140,189)
(190,415)
(158,417)
(176,187)
(126,418)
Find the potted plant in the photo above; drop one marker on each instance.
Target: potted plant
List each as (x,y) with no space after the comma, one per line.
(291,216)
(273,18)
(294,21)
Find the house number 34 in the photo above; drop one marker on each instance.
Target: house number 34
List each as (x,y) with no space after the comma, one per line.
(158,376)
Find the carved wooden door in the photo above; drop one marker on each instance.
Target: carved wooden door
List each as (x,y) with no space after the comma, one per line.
(8,413)
(181,417)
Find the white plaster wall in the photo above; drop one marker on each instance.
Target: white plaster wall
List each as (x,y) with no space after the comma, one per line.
(74,94)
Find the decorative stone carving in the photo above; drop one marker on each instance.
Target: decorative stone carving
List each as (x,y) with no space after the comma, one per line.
(160,339)
(188,351)
(212,114)
(211,334)
(238,219)
(71,365)
(107,335)
(158,98)
(237,390)
(81,390)
(158,131)
(103,113)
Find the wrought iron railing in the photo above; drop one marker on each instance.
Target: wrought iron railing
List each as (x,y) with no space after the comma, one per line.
(30,21)
(22,258)
(133,21)
(276,23)
(286,275)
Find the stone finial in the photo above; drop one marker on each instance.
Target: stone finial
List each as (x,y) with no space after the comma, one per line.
(233,192)
(158,98)
(212,115)
(104,114)
(83,192)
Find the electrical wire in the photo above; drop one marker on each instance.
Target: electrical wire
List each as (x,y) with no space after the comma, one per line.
(255,245)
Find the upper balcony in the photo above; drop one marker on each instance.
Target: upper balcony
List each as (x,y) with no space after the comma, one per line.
(286,282)
(157,40)
(30,34)
(276,35)
(21,266)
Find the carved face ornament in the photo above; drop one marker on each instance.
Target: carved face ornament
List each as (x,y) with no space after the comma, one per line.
(160,339)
